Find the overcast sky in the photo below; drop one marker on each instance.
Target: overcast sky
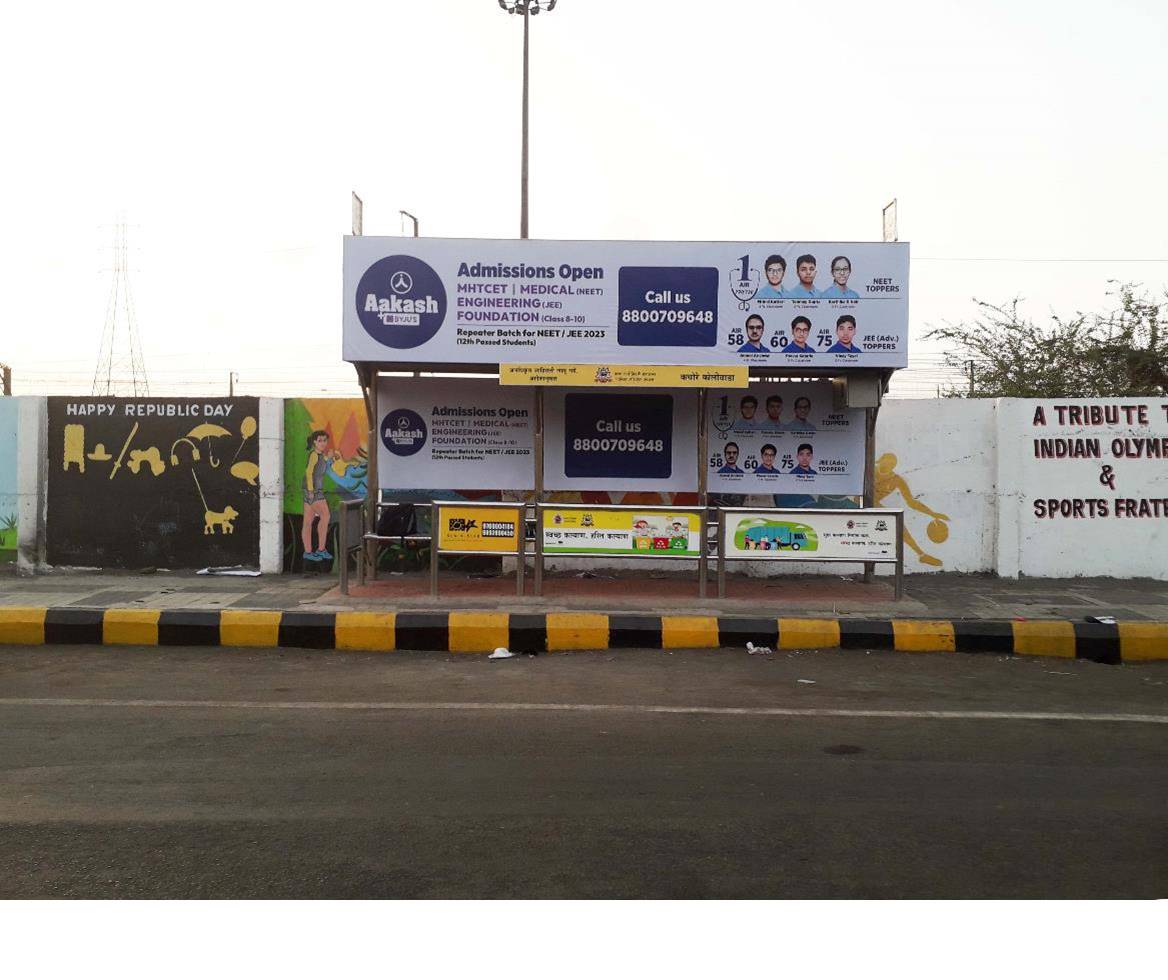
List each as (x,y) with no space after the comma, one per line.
(231,134)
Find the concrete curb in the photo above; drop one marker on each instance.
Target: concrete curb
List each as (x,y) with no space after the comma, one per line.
(478,632)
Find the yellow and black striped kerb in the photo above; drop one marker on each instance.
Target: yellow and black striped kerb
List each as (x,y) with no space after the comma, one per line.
(475,632)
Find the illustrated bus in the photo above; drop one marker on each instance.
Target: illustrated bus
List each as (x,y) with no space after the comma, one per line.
(758,534)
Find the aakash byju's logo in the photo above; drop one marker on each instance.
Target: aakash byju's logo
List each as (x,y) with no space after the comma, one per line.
(401,302)
(403,432)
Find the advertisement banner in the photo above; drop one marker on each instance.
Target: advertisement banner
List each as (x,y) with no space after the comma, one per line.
(487,529)
(857,535)
(656,534)
(784,438)
(484,301)
(440,432)
(616,439)
(623,376)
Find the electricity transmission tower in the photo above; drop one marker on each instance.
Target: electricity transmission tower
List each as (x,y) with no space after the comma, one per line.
(120,369)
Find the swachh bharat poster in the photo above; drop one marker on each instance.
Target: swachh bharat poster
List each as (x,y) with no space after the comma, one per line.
(657,534)
(853,535)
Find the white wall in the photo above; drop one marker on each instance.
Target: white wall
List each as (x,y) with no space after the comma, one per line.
(1111,511)
(271,461)
(31,437)
(945,459)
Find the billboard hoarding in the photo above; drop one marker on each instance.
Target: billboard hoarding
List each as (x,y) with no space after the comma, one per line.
(809,535)
(481,301)
(783,438)
(628,532)
(618,439)
(441,432)
(491,530)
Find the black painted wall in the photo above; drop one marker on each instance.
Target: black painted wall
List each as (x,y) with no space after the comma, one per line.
(153,482)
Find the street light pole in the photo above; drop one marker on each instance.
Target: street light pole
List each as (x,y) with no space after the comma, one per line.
(528,8)
(523,176)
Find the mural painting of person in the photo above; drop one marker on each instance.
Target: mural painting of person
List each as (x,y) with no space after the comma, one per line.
(841,268)
(776,268)
(315,504)
(845,332)
(888,482)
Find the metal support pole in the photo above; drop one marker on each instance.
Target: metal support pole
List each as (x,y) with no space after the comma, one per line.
(703,557)
(523,176)
(521,555)
(869,475)
(703,449)
(435,516)
(721,554)
(539,417)
(899,556)
(343,548)
(373,478)
(538,550)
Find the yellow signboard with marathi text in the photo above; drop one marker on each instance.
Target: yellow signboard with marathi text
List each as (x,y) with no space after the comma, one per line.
(624,375)
(488,529)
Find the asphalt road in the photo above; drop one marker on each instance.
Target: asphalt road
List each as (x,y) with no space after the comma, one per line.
(152,773)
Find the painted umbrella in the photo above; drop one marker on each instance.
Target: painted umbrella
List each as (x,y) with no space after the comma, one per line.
(208,431)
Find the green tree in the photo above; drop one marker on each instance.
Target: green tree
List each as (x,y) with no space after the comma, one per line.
(1003,354)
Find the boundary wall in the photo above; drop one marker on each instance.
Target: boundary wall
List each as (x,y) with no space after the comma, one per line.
(1034,487)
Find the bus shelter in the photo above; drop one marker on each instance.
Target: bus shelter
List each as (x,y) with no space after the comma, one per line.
(710,373)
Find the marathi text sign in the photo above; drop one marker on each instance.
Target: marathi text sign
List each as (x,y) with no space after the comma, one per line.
(486,529)
(785,305)
(651,533)
(784,438)
(438,433)
(855,535)
(623,376)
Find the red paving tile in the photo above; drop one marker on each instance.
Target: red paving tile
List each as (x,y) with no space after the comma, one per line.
(811,591)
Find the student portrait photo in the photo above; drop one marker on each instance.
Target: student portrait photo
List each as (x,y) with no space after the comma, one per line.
(800,331)
(754,330)
(746,422)
(845,331)
(730,455)
(775,268)
(800,423)
(803,456)
(767,456)
(774,414)
(805,287)
(841,268)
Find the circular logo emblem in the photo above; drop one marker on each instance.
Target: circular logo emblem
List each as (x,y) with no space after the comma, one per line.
(851,525)
(403,432)
(401,302)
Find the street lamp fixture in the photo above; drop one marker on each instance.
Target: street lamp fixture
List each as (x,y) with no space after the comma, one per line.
(528,8)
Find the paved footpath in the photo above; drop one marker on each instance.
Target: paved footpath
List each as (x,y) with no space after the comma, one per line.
(942,613)
(240,773)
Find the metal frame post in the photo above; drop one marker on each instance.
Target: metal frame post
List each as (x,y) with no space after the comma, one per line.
(703,549)
(373,478)
(721,554)
(538,549)
(435,538)
(899,555)
(539,420)
(521,554)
